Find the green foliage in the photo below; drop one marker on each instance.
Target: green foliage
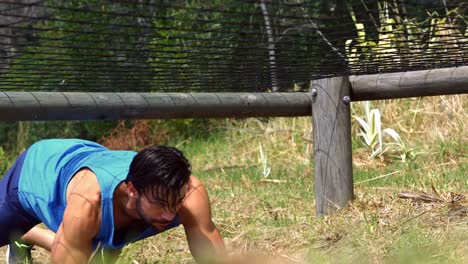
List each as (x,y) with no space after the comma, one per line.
(198,43)
(17,136)
(398,36)
(188,129)
(372,136)
(5,162)
(80,43)
(415,246)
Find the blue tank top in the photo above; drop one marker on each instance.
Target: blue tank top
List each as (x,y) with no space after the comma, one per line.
(49,166)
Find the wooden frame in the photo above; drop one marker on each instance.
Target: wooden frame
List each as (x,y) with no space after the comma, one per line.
(328,100)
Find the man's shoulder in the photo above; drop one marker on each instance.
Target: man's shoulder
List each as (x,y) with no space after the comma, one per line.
(196,190)
(194,181)
(66,142)
(83,210)
(86,185)
(196,205)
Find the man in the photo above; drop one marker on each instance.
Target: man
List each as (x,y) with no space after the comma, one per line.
(92,197)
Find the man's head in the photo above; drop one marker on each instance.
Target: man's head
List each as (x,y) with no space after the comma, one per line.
(159,175)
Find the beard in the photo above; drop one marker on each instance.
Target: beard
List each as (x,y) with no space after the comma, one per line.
(141,213)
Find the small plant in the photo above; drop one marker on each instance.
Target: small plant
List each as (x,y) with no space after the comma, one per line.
(263,158)
(397,148)
(371,135)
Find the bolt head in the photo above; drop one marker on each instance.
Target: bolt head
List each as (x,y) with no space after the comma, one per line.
(314,92)
(346,100)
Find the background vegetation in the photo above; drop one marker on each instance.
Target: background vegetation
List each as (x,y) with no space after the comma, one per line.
(221,45)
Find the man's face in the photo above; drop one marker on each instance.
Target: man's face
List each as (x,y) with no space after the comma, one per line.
(153,213)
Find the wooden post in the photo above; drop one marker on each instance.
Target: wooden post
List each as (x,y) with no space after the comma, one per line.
(332,144)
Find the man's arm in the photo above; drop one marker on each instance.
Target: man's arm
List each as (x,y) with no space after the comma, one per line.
(81,221)
(39,237)
(204,239)
(73,241)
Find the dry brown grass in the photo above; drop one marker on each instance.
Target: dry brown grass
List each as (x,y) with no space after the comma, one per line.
(136,134)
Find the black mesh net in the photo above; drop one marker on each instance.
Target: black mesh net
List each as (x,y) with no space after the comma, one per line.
(220,45)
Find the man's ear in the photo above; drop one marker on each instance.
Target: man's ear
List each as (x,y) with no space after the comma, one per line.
(132,191)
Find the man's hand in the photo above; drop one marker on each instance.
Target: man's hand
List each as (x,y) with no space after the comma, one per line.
(81,221)
(204,240)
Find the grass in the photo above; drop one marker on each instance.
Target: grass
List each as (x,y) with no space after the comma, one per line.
(275,215)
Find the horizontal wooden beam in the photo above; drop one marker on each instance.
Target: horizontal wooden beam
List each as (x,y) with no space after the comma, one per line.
(409,84)
(113,106)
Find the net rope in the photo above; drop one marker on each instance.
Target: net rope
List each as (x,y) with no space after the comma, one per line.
(221,45)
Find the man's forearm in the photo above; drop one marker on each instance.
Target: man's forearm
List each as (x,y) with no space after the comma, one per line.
(208,248)
(40,237)
(63,253)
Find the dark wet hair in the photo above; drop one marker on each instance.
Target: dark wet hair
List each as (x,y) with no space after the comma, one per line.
(160,173)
